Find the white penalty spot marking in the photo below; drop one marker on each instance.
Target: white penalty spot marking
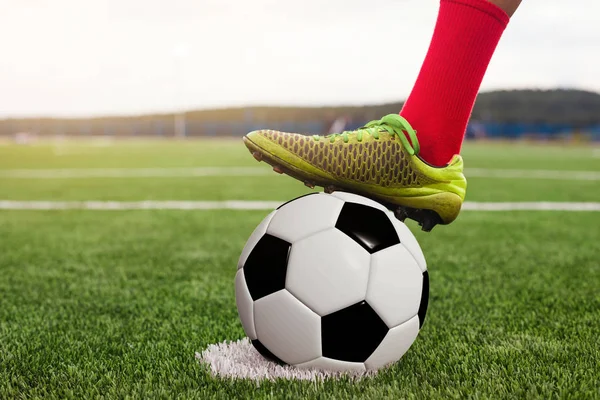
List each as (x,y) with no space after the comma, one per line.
(240,360)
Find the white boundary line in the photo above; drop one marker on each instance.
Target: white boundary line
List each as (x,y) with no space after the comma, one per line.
(264,205)
(258,171)
(533,174)
(139,205)
(132,172)
(531,206)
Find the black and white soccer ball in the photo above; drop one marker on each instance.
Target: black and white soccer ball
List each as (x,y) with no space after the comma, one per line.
(333,282)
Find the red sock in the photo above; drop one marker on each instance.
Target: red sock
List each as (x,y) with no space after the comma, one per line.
(440,105)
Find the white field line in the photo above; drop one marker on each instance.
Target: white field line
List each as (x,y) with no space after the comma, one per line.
(132,172)
(264,205)
(258,171)
(531,206)
(139,205)
(533,174)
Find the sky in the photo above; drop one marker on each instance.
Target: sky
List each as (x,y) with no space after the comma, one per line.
(99,57)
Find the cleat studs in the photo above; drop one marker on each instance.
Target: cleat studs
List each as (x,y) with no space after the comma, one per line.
(426,227)
(401,214)
(329,189)
(278,169)
(257,155)
(429,220)
(309,184)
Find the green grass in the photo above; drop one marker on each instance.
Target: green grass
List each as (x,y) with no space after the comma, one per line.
(163,153)
(173,154)
(115,304)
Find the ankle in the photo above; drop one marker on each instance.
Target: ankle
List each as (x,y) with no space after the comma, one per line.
(508,6)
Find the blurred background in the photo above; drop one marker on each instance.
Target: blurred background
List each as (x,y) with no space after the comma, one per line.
(219,68)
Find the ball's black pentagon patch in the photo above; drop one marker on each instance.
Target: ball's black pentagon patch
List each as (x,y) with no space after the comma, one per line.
(288,202)
(353,333)
(266,353)
(424,299)
(266,266)
(368,226)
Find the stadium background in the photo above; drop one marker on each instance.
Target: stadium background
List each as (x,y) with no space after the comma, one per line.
(523,114)
(117,259)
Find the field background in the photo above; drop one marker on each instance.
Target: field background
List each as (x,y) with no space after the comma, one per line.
(116,303)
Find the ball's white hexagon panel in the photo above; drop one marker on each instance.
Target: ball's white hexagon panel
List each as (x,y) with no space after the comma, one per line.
(287,328)
(395,344)
(354,198)
(245,304)
(258,233)
(328,271)
(328,364)
(395,285)
(305,216)
(409,241)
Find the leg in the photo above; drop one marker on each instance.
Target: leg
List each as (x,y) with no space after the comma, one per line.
(465,38)
(386,160)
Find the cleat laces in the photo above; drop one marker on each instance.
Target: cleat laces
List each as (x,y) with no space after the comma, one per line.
(394,124)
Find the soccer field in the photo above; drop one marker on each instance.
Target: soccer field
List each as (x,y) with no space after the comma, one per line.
(115,303)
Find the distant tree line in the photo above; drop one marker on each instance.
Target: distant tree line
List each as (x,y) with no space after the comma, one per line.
(573,109)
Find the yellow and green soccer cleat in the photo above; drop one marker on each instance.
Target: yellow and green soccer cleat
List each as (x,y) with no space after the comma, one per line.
(376,161)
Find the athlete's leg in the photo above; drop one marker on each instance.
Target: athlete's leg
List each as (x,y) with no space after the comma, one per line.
(377,161)
(464,39)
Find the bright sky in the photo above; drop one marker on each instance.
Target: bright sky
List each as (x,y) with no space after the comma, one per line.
(83,57)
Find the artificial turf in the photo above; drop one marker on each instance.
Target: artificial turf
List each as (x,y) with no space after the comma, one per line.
(114,304)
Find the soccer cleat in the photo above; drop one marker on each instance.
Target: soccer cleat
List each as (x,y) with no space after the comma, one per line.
(376,161)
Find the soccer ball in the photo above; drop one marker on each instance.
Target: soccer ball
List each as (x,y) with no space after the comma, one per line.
(332,282)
